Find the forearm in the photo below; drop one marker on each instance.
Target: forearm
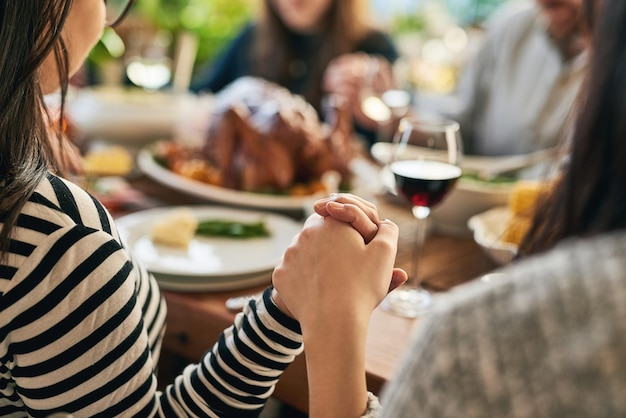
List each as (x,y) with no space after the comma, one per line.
(238,375)
(336,371)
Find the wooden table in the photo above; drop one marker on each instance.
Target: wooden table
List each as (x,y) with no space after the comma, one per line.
(195,320)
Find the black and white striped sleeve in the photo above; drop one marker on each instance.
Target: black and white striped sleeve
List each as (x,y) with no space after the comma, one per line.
(237,376)
(75,331)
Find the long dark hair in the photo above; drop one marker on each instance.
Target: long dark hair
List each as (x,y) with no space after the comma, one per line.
(29,31)
(345,26)
(590,198)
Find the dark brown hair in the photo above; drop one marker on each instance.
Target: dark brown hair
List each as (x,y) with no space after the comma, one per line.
(272,54)
(29,31)
(590,198)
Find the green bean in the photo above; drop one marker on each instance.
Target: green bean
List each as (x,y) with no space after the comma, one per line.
(232,229)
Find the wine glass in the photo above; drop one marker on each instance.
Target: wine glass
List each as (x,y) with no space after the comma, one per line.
(148,64)
(425,159)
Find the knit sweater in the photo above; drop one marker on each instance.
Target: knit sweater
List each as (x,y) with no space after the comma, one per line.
(547,340)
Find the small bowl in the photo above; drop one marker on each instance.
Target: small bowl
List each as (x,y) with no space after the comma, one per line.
(127,116)
(488,228)
(467,199)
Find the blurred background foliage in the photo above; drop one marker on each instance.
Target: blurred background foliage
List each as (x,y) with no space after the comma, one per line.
(214,22)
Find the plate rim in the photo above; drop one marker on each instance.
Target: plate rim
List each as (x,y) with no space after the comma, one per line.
(148,166)
(124,222)
(243,282)
(500,251)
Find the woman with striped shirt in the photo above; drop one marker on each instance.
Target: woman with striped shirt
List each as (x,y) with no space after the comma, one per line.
(80,322)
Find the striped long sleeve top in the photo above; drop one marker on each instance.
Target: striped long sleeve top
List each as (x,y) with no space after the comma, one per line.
(81,326)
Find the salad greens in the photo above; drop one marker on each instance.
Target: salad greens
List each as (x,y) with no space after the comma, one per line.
(500,179)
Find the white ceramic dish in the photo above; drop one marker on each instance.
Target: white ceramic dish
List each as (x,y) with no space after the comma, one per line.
(488,228)
(146,163)
(467,199)
(208,259)
(211,284)
(365,178)
(129,116)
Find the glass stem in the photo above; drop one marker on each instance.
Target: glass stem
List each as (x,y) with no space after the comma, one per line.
(381,132)
(421,214)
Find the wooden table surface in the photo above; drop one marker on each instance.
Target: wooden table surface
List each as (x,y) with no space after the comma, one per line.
(195,320)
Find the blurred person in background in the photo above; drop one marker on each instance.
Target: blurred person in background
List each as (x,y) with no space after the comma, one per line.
(515,96)
(313,48)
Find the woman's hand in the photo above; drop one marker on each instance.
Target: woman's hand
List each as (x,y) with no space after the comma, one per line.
(329,272)
(349,74)
(362,215)
(330,280)
(352,209)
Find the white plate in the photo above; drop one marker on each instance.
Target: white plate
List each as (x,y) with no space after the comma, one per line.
(365,179)
(146,163)
(212,284)
(208,257)
(488,227)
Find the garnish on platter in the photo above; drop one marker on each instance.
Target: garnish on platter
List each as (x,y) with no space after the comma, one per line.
(263,139)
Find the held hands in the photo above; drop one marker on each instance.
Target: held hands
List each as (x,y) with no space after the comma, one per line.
(332,276)
(340,266)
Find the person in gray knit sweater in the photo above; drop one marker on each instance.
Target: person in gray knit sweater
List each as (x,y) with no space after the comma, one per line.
(548,339)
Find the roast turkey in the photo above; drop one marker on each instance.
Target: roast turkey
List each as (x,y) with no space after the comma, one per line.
(262,138)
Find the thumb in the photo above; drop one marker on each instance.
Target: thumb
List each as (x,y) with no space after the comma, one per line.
(398,278)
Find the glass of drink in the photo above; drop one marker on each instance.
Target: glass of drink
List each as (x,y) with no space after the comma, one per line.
(426,155)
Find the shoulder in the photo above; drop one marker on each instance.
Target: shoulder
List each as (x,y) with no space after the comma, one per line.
(512,18)
(65,203)
(551,275)
(246,34)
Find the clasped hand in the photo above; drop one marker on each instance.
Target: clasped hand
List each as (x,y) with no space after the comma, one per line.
(340,266)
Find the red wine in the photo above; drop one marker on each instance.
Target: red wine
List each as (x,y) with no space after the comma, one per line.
(424,183)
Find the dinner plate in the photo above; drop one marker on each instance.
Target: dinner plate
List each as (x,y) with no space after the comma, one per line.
(211,284)
(208,259)
(146,163)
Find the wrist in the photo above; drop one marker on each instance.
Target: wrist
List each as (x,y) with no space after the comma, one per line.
(336,372)
(278,302)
